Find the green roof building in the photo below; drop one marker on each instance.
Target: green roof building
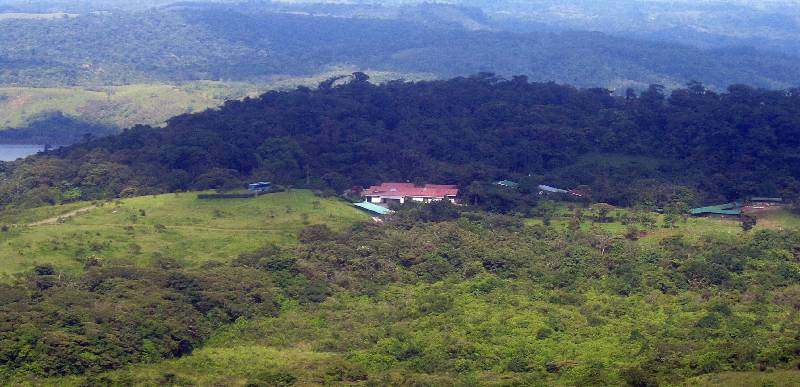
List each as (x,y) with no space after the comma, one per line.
(733,209)
(373,208)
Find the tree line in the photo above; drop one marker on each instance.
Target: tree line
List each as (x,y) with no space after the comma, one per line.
(642,148)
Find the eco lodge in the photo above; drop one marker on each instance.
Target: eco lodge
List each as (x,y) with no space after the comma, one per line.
(400,193)
(378,198)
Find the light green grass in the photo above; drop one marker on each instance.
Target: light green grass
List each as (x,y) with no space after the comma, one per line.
(150,104)
(122,106)
(228,366)
(693,227)
(195,230)
(780,378)
(23,216)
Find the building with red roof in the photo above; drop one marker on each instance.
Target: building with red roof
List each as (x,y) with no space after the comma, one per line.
(399,193)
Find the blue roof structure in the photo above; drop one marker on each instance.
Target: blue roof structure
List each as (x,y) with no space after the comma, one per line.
(373,208)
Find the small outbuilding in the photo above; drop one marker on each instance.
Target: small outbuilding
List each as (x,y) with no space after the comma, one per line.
(260,187)
(373,209)
(728,209)
(546,189)
(766,202)
(507,184)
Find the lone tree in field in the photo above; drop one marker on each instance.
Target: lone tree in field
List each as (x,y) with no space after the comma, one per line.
(601,211)
(748,222)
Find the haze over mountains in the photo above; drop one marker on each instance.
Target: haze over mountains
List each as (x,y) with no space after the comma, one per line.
(767,24)
(248,193)
(255,40)
(90,46)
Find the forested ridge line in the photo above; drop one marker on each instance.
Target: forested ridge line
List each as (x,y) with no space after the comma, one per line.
(720,146)
(224,43)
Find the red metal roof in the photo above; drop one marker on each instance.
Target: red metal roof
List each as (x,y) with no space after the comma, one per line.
(411,190)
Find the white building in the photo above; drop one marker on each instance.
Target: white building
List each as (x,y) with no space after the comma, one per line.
(399,193)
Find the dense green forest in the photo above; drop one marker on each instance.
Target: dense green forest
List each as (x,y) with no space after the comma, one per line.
(439,295)
(112,64)
(132,257)
(625,150)
(207,42)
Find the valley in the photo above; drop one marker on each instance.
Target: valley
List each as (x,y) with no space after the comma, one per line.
(399,193)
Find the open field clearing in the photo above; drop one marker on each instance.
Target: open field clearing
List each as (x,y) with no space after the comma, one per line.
(121,106)
(177,226)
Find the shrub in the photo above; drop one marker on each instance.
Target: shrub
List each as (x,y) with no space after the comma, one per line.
(272,379)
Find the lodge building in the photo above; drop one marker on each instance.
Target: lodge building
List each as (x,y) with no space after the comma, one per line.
(399,193)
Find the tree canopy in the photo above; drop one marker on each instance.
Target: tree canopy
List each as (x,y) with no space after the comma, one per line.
(625,150)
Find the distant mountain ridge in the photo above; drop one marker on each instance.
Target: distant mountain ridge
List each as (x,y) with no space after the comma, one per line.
(254,42)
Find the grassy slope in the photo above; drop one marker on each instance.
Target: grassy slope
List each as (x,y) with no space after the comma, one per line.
(692,228)
(749,379)
(310,344)
(196,230)
(122,106)
(20,216)
(152,104)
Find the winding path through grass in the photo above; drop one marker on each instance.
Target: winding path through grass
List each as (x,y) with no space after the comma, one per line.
(57,219)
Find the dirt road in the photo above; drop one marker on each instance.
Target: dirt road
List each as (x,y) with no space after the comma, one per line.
(55,219)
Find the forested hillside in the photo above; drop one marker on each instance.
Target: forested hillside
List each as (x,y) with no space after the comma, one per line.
(626,149)
(208,42)
(113,64)
(438,295)
(567,251)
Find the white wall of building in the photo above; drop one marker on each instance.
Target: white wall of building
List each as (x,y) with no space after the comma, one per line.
(380,199)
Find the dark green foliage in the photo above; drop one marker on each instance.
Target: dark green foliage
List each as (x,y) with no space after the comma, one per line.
(748,222)
(460,131)
(441,254)
(117,315)
(476,294)
(272,379)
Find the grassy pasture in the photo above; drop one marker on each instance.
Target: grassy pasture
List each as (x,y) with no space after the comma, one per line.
(234,365)
(179,226)
(22,216)
(779,378)
(693,227)
(122,106)
(149,104)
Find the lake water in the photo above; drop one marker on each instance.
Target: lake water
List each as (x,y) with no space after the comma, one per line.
(13,152)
